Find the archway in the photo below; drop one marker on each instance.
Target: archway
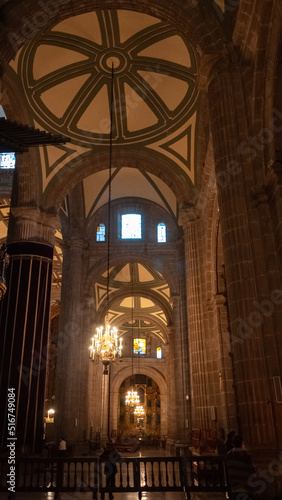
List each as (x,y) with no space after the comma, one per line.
(121,380)
(142,421)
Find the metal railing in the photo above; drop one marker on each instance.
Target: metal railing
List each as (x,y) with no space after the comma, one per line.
(188,474)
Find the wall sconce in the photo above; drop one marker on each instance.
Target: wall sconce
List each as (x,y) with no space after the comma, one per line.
(50,417)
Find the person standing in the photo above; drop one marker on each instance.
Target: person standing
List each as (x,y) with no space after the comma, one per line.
(229,441)
(110,459)
(240,469)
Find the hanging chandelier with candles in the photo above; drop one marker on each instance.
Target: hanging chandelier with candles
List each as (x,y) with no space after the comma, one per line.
(132,397)
(139,411)
(105,343)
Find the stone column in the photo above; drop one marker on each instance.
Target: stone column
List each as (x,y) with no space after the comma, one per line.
(224,396)
(189,219)
(105,407)
(181,367)
(248,256)
(73,347)
(24,322)
(171,410)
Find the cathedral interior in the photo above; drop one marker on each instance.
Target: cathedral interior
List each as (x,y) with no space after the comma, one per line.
(159,209)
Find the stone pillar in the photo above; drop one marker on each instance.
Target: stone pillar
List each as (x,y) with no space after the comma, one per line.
(189,219)
(171,384)
(105,407)
(224,396)
(181,367)
(249,256)
(24,323)
(73,347)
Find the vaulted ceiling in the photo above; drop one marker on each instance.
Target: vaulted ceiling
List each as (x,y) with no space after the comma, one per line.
(66,74)
(64,79)
(139,299)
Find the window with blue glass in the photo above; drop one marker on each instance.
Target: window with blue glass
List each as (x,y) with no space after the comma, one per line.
(7,160)
(131,227)
(161,230)
(101,233)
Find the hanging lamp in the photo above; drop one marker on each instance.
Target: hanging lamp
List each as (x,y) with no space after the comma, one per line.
(132,397)
(105,343)
(139,411)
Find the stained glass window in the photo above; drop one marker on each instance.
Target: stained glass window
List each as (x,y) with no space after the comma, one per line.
(159,352)
(101,233)
(139,346)
(131,227)
(161,232)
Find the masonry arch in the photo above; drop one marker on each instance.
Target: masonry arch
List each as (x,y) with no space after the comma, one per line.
(151,372)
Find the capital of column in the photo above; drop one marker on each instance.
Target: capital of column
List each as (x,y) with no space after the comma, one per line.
(274,174)
(187,215)
(74,243)
(170,330)
(212,64)
(174,300)
(219,299)
(259,195)
(31,224)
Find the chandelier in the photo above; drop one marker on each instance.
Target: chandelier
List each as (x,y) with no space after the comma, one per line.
(139,411)
(132,397)
(105,343)
(4,262)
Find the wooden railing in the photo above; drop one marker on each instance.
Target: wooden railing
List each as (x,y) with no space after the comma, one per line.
(187,474)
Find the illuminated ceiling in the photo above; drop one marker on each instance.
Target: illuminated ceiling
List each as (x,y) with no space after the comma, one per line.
(66,77)
(136,287)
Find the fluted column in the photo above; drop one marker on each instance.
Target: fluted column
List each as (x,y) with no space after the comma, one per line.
(24,322)
(189,219)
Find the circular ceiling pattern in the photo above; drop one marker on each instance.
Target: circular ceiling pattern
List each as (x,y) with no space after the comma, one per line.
(67,75)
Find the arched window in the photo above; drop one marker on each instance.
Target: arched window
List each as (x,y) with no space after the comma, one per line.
(159,352)
(161,233)
(131,227)
(101,233)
